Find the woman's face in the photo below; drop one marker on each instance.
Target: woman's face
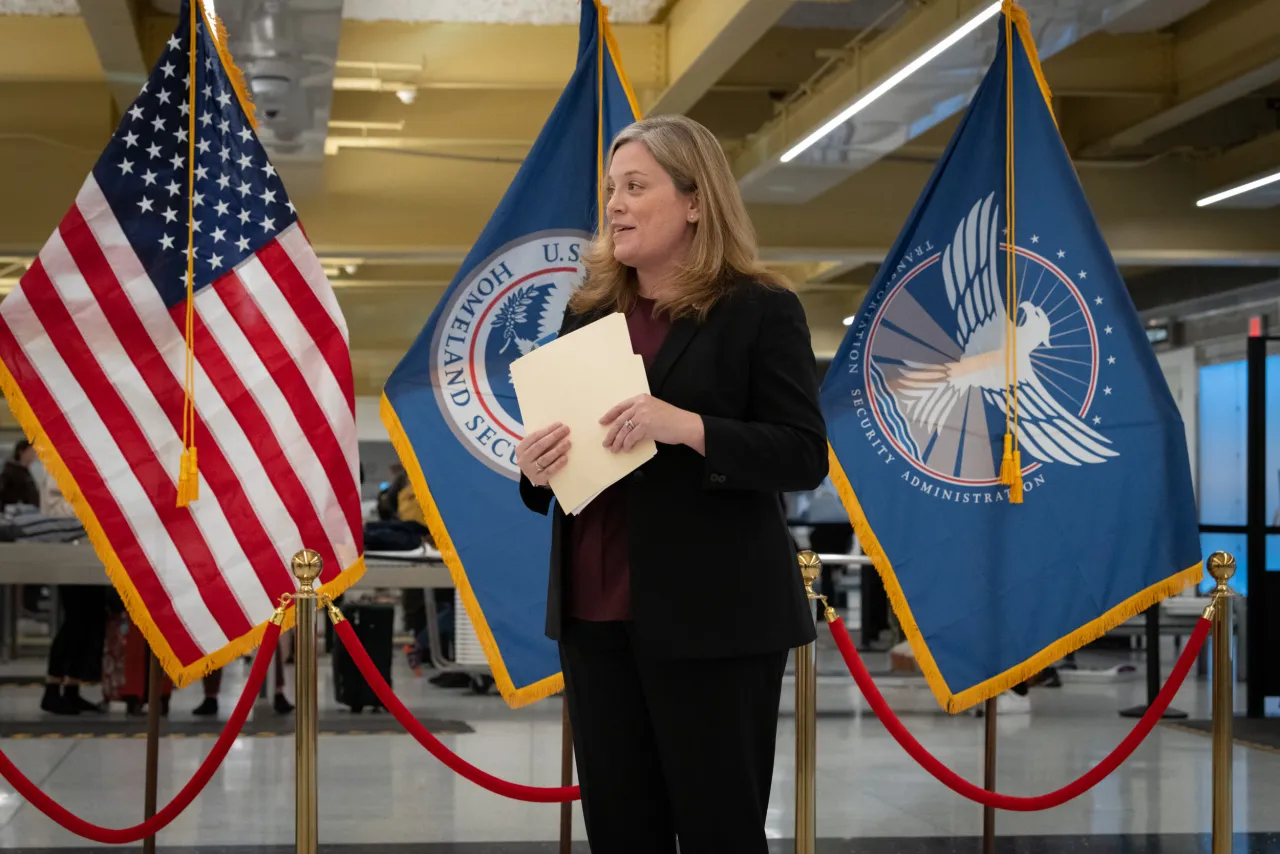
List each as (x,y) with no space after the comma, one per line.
(652,221)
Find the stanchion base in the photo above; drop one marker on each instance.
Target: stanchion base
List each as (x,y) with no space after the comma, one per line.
(1170,714)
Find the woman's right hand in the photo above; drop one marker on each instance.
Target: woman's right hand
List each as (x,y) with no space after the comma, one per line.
(543,453)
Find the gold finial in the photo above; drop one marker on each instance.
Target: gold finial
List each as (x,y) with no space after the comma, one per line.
(1221,567)
(810,568)
(307,566)
(335,616)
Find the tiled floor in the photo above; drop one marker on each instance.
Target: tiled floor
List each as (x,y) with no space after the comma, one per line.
(384,791)
(1256,843)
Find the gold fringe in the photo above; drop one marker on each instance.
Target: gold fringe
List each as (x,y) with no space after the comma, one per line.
(119,577)
(1023,25)
(234,74)
(515,697)
(616,55)
(954,703)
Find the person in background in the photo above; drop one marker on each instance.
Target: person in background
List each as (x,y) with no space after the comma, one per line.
(414,601)
(18,486)
(213,686)
(75,655)
(674,705)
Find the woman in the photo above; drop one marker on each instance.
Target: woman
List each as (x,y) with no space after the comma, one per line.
(17,486)
(75,655)
(674,704)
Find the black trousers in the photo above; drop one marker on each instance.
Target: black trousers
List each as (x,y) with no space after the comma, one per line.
(76,650)
(669,749)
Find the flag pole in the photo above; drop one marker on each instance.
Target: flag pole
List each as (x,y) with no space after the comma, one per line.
(989,778)
(1222,566)
(306,566)
(566,776)
(807,721)
(154,675)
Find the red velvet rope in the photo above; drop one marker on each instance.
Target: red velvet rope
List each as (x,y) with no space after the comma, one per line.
(961,786)
(514,791)
(183,799)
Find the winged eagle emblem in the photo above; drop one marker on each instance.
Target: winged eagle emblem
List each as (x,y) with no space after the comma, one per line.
(928,393)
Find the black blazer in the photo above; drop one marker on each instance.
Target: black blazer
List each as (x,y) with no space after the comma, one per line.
(712,563)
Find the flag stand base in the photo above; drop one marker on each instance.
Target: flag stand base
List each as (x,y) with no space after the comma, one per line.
(1170,714)
(1152,642)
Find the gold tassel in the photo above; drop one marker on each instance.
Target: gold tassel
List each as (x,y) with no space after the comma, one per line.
(188,478)
(234,74)
(1008,474)
(1015,488)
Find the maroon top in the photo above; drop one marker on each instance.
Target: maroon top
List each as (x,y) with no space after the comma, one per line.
(599,573)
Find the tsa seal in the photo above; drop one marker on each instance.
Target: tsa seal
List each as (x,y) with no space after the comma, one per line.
(935,360)
(500,311)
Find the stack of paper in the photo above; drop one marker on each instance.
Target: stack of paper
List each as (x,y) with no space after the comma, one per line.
(575,380)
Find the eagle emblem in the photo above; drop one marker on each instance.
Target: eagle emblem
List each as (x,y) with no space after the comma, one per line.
(943,383)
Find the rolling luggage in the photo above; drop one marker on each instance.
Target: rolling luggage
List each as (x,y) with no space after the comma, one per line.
(375,626)
(126,666)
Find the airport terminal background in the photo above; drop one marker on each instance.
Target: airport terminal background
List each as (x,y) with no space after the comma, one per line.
(1163,101)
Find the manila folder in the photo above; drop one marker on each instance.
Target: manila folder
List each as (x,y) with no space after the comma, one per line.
(574,380)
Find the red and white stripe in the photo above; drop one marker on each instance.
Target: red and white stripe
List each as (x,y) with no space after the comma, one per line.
(101,362)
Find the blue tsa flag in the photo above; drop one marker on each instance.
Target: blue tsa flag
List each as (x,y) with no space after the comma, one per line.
(449,405)
(982,326)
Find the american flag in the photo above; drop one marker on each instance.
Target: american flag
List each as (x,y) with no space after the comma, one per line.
(94,352)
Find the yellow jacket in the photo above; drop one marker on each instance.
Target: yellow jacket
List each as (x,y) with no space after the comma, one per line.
(407,507)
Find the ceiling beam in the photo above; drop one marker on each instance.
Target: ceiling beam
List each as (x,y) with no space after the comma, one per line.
(114,26)
(47,48)
(914,35)
(706,39)
(1255,159)
(1136,65)
(1223,52)
(386,55)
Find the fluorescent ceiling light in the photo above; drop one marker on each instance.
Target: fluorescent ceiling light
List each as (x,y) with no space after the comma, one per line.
(911,68)
(1236,191)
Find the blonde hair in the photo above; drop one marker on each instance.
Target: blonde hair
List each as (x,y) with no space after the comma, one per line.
(724,241)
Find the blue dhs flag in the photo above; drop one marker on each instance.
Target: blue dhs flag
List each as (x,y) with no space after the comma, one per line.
(982,325)
(450,406)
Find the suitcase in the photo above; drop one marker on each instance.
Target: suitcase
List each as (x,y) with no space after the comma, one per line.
(375,626)
(126,665)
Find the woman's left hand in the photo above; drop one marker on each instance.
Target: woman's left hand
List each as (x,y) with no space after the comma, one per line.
(646,417)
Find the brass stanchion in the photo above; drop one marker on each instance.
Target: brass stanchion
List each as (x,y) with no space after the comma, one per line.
(1221,567)
(807,721)
(154,675)
(989,777)
(566,776)
(306,566)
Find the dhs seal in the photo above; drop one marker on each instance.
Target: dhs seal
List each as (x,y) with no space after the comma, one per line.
(504,307)
(947,358)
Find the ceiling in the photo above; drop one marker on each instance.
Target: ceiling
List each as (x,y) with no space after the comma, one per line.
(398,124)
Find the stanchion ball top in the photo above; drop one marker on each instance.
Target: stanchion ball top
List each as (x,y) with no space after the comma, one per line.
(1222,566)
(307,565)
(810,566)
